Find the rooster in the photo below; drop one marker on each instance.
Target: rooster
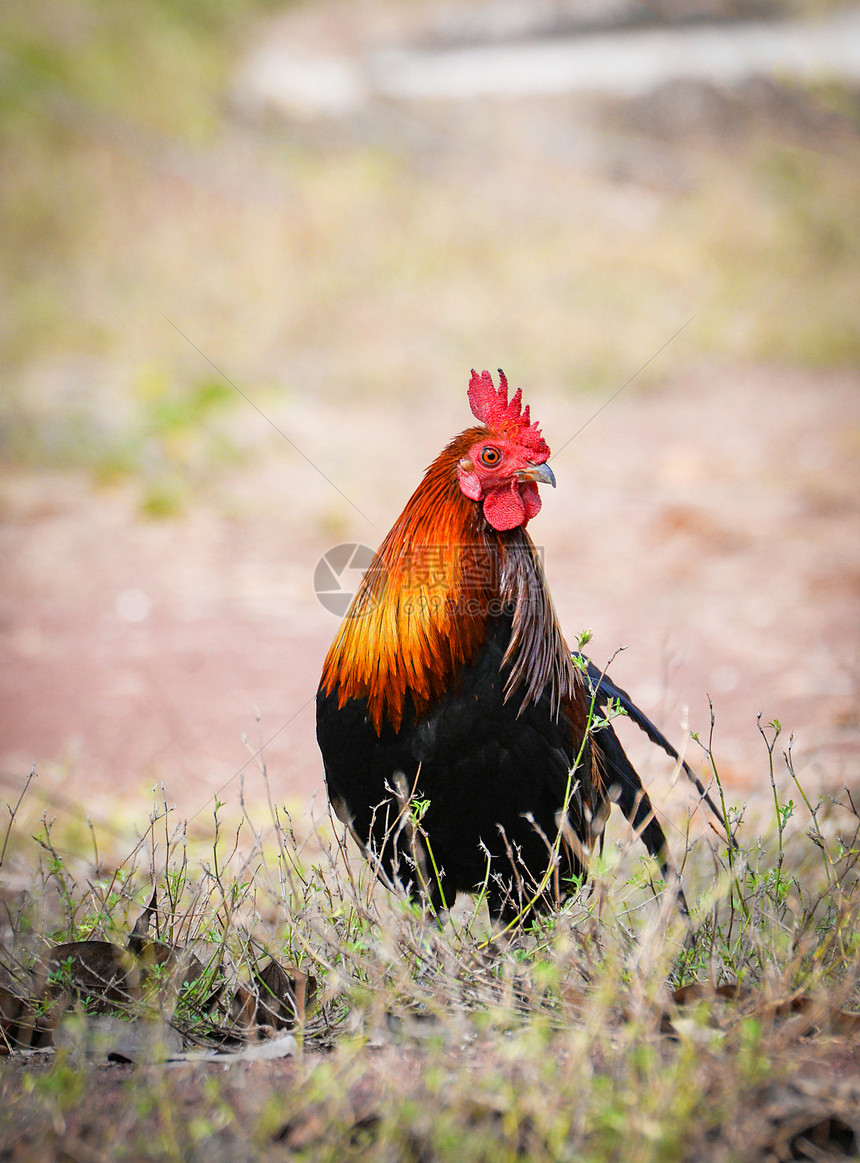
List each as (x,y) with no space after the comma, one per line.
(462,739)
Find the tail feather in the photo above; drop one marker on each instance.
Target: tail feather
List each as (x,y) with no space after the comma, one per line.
(625,789)
(603,690)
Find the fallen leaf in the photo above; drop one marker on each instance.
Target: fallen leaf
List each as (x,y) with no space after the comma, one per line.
(98,972)
(283,995)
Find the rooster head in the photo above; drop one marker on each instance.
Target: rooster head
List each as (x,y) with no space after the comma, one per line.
(507,462)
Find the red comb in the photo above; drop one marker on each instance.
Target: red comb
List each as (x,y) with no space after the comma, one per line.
(492,407)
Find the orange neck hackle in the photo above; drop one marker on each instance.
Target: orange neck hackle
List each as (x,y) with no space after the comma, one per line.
(422,607)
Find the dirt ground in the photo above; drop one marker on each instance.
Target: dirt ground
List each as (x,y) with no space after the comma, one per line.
(710,526)
(814,1103)
(706,520)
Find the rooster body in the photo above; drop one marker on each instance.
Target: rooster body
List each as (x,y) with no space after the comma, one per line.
(455,725)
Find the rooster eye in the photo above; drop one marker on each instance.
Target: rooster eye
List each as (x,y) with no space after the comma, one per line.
(490,456)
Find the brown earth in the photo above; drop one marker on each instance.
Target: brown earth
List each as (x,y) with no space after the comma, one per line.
(262,1109)
(708,522)
(710,526)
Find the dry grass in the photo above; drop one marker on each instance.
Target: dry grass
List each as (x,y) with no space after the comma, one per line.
(583,1037)
(377,257)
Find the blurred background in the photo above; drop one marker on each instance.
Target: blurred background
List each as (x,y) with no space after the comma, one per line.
(250,252)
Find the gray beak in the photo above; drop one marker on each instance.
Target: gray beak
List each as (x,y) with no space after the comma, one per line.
(541,474)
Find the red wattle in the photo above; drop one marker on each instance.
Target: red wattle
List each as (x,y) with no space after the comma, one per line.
(531,499)
(507,508)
